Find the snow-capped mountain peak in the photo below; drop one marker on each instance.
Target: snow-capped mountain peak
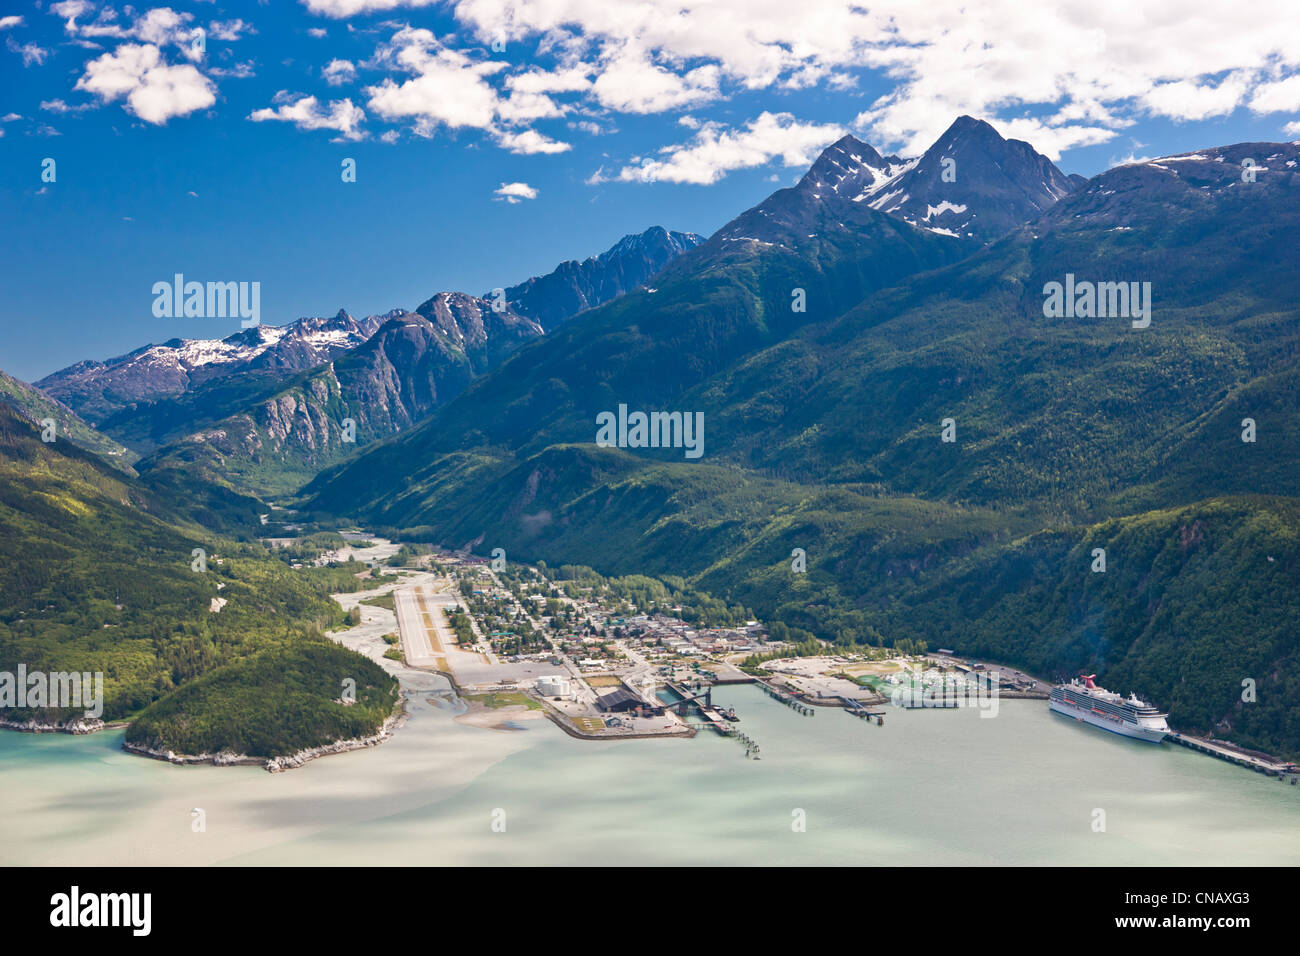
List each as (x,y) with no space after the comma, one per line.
(156,371)
(971,183)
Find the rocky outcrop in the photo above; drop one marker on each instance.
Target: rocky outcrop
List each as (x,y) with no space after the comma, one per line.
(279,764)
(574,286)
(275,764)
(78,725)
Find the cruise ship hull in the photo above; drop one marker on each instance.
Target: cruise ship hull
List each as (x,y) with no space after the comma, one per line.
(1114,725)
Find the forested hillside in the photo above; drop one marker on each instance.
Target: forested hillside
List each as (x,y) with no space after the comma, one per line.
(92,579)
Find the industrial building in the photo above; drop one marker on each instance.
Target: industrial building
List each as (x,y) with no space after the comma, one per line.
(619,700)
(554,685)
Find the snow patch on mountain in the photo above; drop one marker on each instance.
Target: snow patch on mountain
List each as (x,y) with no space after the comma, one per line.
(939,210)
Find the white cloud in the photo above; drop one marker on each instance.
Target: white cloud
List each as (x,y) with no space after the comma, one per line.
(1050,140)
(343,117)
(514,192)
(527,107)
(529,142)
(1059,74)
(159,26)
(70,10)
(1088,68)
(1188,100)
(58,106)
(1280,97)
(350,8)
(447,88)
(338,72)
(240,71)
(715,150)
(570,79)
(154,90)
(319,33)
(628,81)
(163,26)
(8,23)
(590,128)
(1291,129)
(30,52)
(228,31)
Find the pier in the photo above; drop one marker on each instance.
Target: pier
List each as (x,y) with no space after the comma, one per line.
(711,717)
(1273,768)
(921,702)
(859,709)
(716,721)
(702,702)
(794,704)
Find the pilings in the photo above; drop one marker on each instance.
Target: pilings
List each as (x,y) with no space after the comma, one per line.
(795,705)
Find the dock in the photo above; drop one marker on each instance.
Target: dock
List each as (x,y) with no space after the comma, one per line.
(716,720)
(703,704)
(794,704)
(921,702)
(859,709)
(1273,768)
(712,718)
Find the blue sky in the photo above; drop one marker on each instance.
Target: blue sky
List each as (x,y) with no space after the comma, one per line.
(493,139)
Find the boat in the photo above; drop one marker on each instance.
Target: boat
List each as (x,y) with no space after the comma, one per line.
(1128,716)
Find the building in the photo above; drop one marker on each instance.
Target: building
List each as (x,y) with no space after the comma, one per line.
(554,685)
(619,700)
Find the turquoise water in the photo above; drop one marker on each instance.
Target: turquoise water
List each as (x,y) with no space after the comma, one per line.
(929,787)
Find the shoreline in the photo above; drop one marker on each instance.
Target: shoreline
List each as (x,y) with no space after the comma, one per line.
(78,727)
(480,715)
(277,764)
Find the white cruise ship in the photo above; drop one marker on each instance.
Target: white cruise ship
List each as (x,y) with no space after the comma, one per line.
(1084,700)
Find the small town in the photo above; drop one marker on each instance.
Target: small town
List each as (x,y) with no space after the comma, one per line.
(602,660)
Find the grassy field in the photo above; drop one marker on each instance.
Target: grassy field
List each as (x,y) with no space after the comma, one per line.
(506,700)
